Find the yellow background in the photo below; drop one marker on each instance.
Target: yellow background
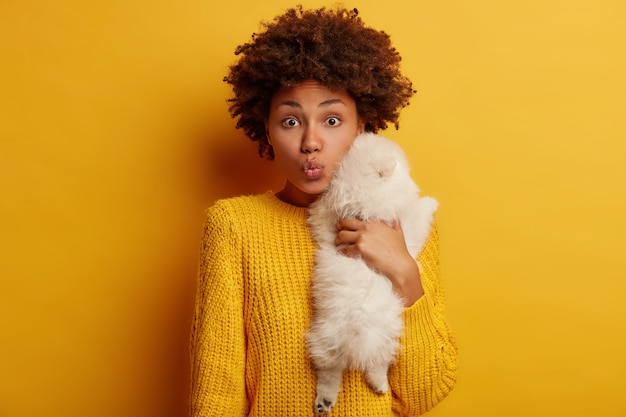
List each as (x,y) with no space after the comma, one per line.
(114,136)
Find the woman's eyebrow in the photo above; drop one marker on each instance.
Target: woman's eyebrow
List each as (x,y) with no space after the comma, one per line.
(290,103)
(324,103)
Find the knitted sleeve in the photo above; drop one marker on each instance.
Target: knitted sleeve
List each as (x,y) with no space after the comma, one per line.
(218,337)
(425,369)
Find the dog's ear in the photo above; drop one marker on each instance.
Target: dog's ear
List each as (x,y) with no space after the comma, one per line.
(386,165)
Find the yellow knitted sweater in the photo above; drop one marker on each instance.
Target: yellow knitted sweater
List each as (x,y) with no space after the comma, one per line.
(253,308)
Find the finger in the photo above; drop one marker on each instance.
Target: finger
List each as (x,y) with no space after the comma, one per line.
(348,223)
(348,251)
(345,237)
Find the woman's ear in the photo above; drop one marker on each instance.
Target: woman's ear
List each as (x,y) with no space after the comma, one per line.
(361,127)
(267,132)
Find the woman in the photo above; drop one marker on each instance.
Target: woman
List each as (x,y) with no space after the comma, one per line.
(304,88)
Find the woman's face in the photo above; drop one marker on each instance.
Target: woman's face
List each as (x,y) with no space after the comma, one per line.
(310,128)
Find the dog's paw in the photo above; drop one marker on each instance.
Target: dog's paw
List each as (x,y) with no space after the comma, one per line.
(377,379)
(323,405)
(380,387)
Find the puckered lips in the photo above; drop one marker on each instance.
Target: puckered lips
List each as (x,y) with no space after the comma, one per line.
(313,169)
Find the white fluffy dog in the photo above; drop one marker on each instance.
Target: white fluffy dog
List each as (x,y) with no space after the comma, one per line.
(357,319)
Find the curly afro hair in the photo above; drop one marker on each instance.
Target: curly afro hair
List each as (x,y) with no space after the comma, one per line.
(330,46)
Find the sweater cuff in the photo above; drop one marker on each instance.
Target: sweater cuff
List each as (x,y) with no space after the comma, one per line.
(419,320)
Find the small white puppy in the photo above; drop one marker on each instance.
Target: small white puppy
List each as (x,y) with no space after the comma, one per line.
(357,318)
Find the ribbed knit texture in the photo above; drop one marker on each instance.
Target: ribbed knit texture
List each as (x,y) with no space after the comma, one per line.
(253,309)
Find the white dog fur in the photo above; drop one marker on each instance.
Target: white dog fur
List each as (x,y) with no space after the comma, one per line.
(357,318)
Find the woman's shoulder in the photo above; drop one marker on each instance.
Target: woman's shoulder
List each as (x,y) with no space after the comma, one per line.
(231,208)
(248,202)
(239,202)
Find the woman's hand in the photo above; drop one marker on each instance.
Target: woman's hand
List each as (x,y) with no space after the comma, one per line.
(384,250)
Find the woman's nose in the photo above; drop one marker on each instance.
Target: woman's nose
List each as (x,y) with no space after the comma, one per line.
(310,141)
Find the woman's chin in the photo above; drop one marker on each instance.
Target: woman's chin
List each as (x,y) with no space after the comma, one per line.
(302,194)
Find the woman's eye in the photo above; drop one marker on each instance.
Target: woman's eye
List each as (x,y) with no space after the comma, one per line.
(333,121)
(291,122)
